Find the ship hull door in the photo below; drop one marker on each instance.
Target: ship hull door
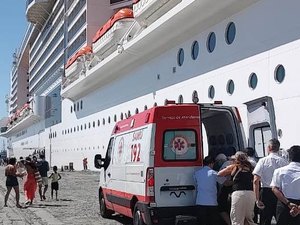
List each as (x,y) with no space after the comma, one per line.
(261,124)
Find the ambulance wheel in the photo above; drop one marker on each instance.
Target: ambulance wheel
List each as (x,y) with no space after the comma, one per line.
(137,217)
(104,212)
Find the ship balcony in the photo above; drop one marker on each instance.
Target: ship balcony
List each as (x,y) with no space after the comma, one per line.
(17,124)
(171,29)
(37,11)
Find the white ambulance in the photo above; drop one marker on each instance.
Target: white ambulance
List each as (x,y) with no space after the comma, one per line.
(147,173)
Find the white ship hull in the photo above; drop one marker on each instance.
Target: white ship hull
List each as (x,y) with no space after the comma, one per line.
(265,39)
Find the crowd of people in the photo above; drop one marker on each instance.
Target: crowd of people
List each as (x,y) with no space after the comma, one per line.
(244,191)
(35,174)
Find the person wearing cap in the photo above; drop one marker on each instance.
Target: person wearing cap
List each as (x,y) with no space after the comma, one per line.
(263,173)
(206,199)
(242,198)
(286,187)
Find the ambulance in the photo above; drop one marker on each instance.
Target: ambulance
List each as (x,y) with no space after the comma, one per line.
(147,172)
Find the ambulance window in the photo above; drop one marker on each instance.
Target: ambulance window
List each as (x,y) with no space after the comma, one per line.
(261,137)
(108,153)
(180,145)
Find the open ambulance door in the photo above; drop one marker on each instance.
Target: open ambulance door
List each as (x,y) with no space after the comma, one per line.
(261,124)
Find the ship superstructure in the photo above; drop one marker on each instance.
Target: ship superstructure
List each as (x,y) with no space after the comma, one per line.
(95,69)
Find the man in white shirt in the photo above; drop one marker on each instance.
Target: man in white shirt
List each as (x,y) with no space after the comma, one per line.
(286,186)
(206,200)
(263,173)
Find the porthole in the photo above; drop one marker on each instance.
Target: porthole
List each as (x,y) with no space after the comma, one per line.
(180,99)
(211,92)
(211,42)
(195,50)
(180,57)
(252,81)
(136,111)
(230,33)
(195,98)
(230,87)
(166,102)
(279,73)
(145,107)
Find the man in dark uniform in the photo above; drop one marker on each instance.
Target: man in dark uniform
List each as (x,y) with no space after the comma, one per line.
(43,167)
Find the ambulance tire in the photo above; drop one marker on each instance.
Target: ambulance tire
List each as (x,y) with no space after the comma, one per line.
(137,217)
(104,212)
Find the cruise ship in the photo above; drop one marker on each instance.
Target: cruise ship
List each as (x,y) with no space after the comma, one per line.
(84,65)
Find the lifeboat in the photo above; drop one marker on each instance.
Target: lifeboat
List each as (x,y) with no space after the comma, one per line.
(109,35)
(76,64)
(147,11)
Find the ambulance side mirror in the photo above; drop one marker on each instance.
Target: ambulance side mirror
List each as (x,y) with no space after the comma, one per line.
(98,161)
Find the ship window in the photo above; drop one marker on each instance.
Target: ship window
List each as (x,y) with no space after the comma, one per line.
(166,102)
(103,121)
(211,42)
(180,57)
(195,50)
(136,111)
(89,125)
(71,109)
(122,116)
(77,106)
(230,33)
(195,98)
(108,119)
(155,104)
(252,81)
(230,87)
(62,132)
(74,107)
(145,107)
(211,92)
(94,124)
(98,123)
(129,113)
(77,128)
(68,131)
(180,99)
(81,104)
(115,118)
(279,73)
(74,129)
(85,126)
(81,127)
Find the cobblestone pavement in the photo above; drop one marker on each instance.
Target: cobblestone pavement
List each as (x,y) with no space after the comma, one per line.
(78,204)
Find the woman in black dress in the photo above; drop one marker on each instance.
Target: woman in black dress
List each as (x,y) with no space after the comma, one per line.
(12,181)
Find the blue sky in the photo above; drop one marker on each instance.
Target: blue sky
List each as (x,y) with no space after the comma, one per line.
(13,26)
